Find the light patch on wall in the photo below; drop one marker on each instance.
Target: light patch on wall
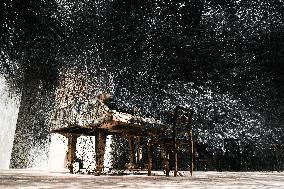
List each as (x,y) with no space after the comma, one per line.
(57,152)
(107,157)
(85,151)
(9,108)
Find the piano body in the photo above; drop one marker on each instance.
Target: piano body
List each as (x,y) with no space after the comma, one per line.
(105,122)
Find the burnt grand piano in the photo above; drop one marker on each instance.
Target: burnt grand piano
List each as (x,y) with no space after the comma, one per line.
(103,122)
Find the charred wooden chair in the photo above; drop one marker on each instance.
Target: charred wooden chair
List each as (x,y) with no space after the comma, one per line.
(178,135)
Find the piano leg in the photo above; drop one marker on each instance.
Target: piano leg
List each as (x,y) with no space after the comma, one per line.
(139,151)
(100,149)
(150,152)
(131,164)
(165,157)
(72,140)
(131,149)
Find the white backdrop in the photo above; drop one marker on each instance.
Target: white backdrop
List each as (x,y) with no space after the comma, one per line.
(9,108)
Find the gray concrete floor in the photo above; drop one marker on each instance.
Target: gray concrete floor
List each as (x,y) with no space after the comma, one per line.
(62,179)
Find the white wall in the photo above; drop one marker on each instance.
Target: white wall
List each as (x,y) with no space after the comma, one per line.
(9,108)
(57,152)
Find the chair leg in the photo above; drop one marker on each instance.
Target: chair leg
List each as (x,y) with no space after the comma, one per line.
(150,149)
